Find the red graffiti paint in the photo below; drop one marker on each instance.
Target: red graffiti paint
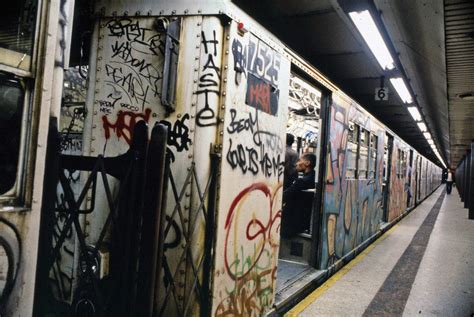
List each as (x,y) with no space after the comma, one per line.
(255,229)
(124,124)
(259,95)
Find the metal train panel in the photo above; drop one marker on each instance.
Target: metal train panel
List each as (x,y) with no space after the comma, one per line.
(134,60)
(251,178)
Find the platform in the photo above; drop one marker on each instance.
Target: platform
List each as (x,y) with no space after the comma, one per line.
(423,266)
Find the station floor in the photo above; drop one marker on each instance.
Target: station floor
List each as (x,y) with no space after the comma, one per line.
(423,266)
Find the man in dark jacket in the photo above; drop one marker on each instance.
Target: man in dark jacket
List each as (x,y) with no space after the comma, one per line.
(298,203)
(291,157)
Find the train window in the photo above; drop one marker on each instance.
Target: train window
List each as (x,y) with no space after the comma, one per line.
(401,163)
(363,163)
(404,164)
(398,159)
(11,109)
(373,156)
(17,29)
(17,34)
(352,149)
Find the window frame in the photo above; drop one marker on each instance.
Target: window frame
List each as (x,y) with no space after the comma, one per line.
(16,197)
(353,153)
(363,143)
(373,155)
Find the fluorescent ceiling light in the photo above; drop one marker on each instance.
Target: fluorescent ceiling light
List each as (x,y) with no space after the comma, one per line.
(441,160)
(427,135)
(415,113)
(422,126)
(402,90)
(369,31)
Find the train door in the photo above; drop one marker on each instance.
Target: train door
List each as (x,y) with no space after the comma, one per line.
(418,179)
(387,168)
(409,189)
(299,220)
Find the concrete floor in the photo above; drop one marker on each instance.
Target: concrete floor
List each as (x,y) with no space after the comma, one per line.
(443,285)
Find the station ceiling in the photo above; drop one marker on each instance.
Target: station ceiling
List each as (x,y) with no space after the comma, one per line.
(434,42)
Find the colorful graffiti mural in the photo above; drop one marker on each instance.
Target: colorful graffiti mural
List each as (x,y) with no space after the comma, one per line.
(352,206)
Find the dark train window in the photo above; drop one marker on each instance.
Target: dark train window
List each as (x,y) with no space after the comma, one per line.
(17,34)
(399,165)
(404,164)
(352,149)
(373,156)
(11,108)
(17,30)
(363,164)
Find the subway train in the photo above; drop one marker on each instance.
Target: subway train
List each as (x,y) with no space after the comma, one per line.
(143,152)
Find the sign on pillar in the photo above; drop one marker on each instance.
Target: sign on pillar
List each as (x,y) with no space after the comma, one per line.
(381,93)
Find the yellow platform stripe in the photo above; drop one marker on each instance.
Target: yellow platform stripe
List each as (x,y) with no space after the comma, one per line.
(295,311)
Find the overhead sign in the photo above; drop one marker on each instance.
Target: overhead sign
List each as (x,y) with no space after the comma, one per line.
(381,93)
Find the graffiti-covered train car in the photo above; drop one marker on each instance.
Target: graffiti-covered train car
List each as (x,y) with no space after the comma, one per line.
(159,188)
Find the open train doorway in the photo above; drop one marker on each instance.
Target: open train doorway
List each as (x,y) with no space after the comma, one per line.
(302,159)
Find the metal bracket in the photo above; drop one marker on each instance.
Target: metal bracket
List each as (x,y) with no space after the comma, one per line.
(170,68)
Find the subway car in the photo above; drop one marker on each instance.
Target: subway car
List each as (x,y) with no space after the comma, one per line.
(143,153)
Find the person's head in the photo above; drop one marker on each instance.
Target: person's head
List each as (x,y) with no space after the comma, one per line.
(306,162)
(290,138)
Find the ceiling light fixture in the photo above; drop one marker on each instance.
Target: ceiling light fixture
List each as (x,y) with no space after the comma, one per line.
(402,90)
(369,31)
(415,113)
(422,126)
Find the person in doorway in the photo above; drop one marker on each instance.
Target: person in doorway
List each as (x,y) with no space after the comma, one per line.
(290,173)
(449,183)
(305,165)
(297,199)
